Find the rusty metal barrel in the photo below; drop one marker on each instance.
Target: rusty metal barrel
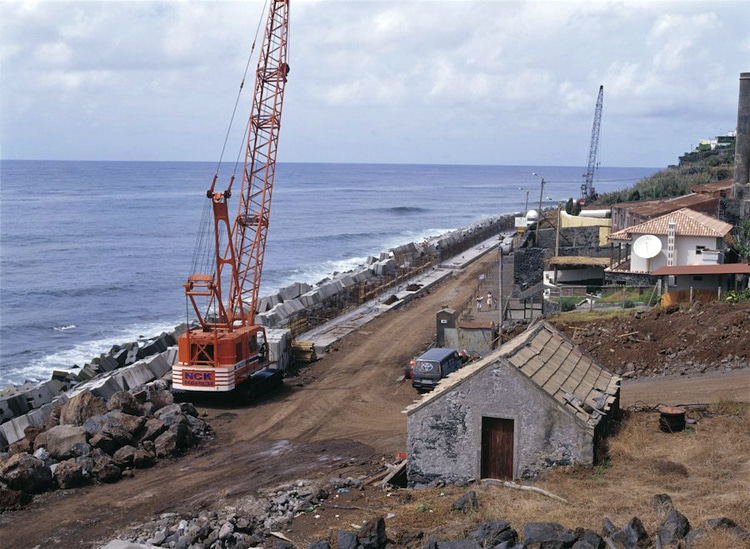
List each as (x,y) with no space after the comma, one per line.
(671,419)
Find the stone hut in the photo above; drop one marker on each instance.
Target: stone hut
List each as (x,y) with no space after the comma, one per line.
(537,401)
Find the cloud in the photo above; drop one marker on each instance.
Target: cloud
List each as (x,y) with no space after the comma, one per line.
(511,82)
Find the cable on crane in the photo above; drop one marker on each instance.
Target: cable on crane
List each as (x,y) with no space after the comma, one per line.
(242,85)
(204,252)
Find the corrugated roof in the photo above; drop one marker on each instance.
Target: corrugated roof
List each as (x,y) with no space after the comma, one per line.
(554,364)
(660,206)
(688,223)
(722,185)
(723,268)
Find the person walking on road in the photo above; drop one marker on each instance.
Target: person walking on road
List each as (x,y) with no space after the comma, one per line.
(490,301)
(479,303)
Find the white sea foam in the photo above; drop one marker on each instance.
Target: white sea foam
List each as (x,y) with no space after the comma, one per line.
(64,328)
(314,273)
(39,369)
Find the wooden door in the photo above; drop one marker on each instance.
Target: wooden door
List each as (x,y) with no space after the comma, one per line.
(497,448)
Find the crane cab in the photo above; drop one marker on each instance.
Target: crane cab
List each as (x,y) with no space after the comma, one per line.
(218,361)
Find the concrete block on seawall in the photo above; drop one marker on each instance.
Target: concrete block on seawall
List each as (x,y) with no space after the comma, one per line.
(330,288)
(89,371)
(347,280)
(311,298)
(158,345)
(39,416)
(293,291)
(295,305)
(267,303)
(170,355)
(12,406)
(271,318)
(105,387)
(12,431)
(136,375)
(42,394)
(279,347)
(158,365)
(362,275)
(105,363)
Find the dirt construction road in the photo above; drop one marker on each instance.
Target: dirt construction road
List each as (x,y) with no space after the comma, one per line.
(339,417)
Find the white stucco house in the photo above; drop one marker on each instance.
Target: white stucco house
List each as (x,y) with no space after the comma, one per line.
(679,238)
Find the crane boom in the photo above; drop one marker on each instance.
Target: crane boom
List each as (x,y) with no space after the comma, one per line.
(587,189)
(251,225)
(228,349)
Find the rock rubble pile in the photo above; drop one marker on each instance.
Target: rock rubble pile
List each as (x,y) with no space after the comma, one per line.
(89,439)
(244,524)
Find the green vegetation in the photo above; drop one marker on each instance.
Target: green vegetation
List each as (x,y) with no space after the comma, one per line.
(742,240)
(572,207)
(734,296)
(665,183)
(620,295)
(696,168)
(568,303)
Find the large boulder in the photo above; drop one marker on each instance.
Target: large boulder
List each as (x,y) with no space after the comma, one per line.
(69,474)
(494,533)
(171,415)
(588,539)
(674,528)
(152,429)
(172,441)
(105,469)
(26,473)
(159,397)
(547,535)
(632,536)
(347,540)
(113,430)
(372,535)
(131,457)
(12,499)
(65,441)
(467,502)
(80,408)
(125,402)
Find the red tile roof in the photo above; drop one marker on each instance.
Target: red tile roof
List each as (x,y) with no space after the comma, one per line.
(688,223)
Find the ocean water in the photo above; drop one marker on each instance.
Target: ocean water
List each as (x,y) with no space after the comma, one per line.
(94,254)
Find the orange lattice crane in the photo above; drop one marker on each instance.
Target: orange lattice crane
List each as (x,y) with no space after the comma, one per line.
(227,349)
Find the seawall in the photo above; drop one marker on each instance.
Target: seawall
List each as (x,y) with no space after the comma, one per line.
(286,313)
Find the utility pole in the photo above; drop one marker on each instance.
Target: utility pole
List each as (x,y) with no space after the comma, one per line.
(539,216)
(500,285)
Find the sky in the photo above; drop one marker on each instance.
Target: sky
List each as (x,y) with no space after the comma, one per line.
(419,81)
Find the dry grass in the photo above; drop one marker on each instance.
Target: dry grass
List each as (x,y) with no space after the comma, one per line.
(588,316)
(704,469)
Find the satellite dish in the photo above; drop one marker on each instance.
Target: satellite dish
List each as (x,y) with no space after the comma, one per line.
(647,246)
